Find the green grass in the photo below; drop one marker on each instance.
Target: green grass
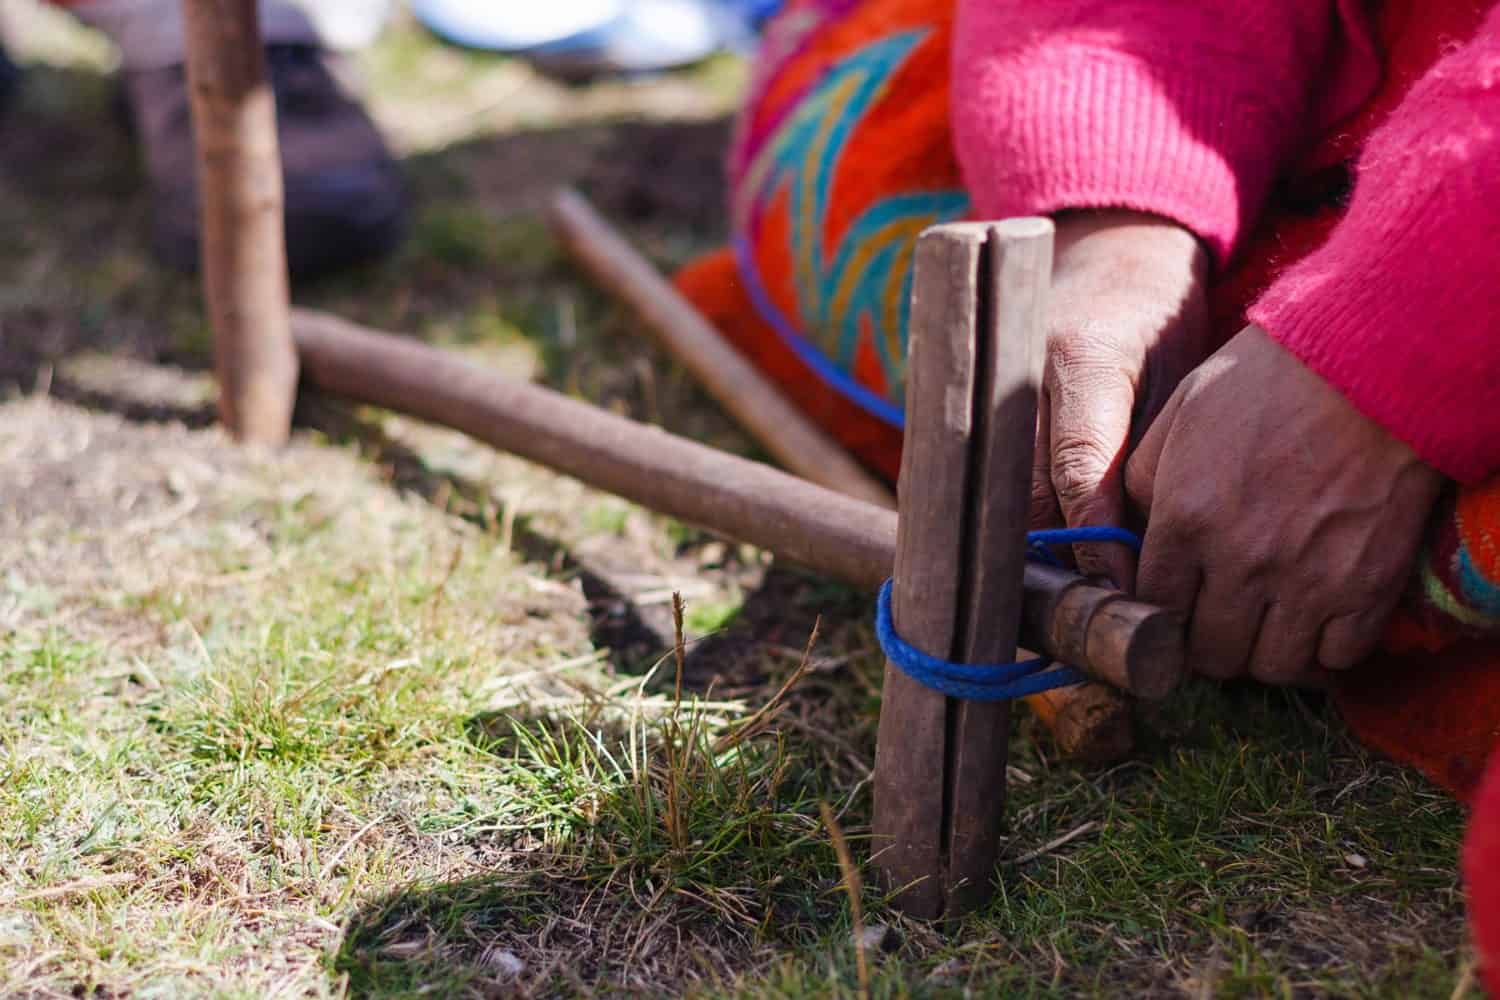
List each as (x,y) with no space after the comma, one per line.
(372,717)
(326,758)
(712,616)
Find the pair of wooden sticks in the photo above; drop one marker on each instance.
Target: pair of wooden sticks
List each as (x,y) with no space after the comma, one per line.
(1091,722)
(963,588)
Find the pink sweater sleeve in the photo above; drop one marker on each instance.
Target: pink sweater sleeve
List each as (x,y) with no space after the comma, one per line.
(1400,310)
(1184,108)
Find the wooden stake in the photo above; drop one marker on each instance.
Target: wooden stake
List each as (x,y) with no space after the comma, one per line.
(744,393)
(749,501)
(243,246)
(974,370)
(911,759)
(1012,334)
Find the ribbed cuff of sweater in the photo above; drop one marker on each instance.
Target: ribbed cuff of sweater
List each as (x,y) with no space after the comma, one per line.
(1081,126)
(1405,331)
(1399,309)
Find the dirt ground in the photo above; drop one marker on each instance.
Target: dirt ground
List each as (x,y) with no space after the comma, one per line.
(389,714)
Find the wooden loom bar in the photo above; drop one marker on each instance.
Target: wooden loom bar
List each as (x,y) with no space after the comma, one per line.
(912,764)
(1015,277)
(818,528)
(974,372)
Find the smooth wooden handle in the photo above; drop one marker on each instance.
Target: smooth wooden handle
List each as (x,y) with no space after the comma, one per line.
(1133,646)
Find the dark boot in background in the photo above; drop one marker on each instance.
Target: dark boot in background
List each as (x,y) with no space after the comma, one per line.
(345,202)
(10,75)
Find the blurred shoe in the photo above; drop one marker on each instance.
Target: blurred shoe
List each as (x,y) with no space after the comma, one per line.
(10,75)
(344,199)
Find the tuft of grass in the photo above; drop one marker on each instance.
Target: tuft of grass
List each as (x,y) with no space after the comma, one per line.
(704,617)
(684,836)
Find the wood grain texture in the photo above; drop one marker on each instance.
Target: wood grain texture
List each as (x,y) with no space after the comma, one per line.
(747,395)
(911,757)
(242,245)
(1091,723)
(1132,646)
(1013,298)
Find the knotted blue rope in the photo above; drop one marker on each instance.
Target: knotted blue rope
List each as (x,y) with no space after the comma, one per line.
(996,681)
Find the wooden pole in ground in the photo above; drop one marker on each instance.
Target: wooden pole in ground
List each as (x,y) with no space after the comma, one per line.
(819,528)
(243,246)
(976,346)
(747,395)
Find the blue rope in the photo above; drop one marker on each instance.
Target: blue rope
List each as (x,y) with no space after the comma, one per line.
(998,681)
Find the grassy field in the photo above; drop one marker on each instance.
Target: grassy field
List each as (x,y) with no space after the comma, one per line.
(388,714)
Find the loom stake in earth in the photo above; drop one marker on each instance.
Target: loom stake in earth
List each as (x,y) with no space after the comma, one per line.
(962,586)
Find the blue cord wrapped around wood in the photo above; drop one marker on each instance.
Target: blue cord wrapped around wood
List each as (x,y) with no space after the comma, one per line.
(995,681)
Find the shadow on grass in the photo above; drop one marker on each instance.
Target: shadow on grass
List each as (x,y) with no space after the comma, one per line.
(456,939)
(779,613)
(1254,850)
(643,855)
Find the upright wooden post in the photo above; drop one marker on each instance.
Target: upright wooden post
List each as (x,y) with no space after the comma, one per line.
(975,356)
(243,245)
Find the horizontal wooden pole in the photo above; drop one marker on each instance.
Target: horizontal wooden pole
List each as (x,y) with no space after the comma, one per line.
(746,500)
(1133,645)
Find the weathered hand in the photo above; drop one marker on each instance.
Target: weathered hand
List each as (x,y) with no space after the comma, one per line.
(1282,521)
(1127,322)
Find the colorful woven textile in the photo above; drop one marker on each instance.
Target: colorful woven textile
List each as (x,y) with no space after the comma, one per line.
(843,155)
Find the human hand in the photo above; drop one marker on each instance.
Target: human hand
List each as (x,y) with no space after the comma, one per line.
(1283,523)
(1127,321)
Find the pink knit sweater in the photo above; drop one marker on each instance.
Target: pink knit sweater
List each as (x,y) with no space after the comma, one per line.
(1191,109)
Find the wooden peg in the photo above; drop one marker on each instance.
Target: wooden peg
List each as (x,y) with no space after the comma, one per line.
(242,243)
(974,370)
